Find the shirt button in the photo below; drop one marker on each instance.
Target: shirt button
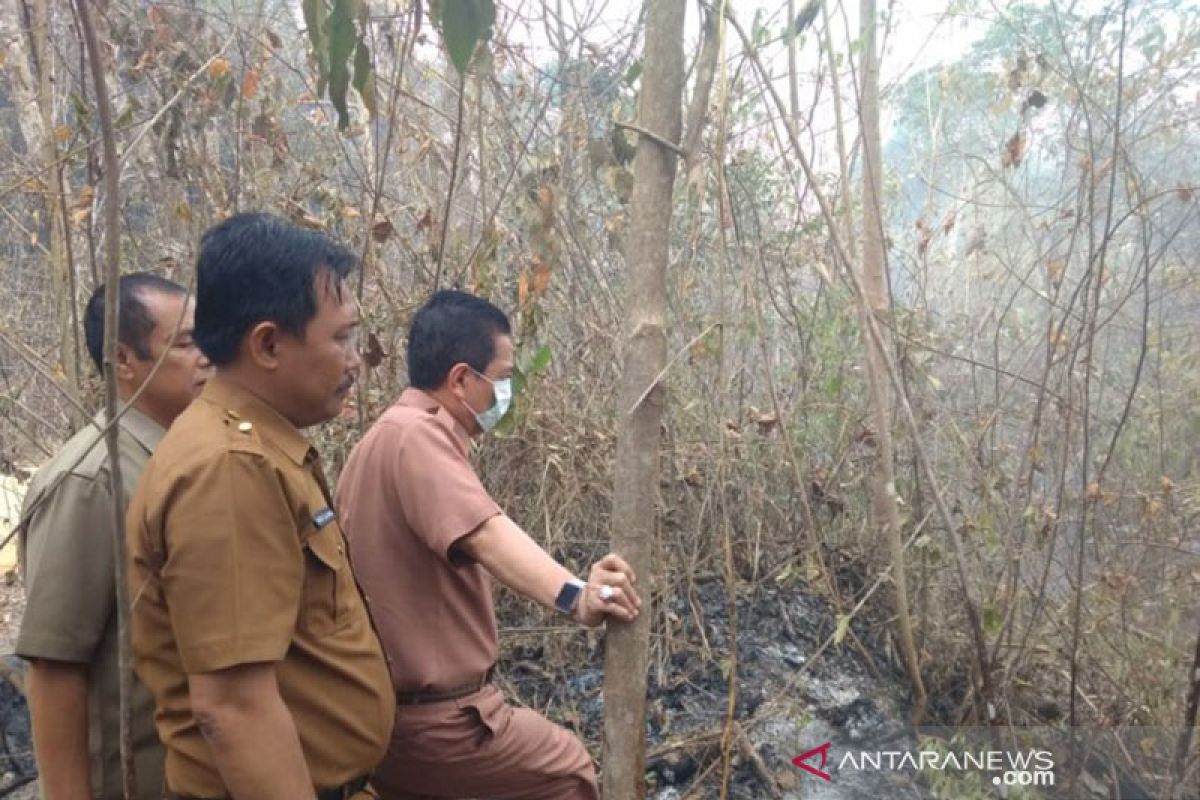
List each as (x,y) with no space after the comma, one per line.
(245,427)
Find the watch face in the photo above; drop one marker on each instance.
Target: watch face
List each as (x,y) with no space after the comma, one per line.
(567,595)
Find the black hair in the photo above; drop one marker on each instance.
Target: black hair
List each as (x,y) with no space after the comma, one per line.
(134,323)
(257,267)
(452,327)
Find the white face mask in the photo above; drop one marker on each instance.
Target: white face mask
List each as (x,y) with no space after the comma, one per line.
(502,389)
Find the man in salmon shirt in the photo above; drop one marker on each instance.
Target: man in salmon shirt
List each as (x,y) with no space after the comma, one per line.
(426,539)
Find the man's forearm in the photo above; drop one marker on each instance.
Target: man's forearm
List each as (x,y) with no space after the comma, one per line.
(252,735)
(58,704)
(516,560)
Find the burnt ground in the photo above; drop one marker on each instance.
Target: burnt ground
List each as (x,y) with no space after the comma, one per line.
(785,705)
(17,769)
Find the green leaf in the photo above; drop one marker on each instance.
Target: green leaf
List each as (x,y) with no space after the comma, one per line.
(315,14)
(992,620)
(633,73)
(843,627)
(466,23)
(541,359)
(758,30)
(126,117)
(82,112)
(364,77)
(342,41)
(519,382)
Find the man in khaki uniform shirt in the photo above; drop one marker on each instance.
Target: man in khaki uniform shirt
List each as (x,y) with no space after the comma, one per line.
(69,629)
(248,627)
(426,541)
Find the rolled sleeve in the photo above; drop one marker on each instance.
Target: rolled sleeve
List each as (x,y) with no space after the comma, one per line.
(233,575)
(69,571)
(439,492)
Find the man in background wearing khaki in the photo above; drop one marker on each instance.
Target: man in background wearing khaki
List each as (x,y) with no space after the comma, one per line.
(69,630)
(426,540)
(248,628)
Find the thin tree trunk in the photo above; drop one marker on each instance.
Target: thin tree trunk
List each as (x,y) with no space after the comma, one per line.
(885,510)
(33,95)
(1184,745)
(640,411)
(60,267)
(843,159)
(112,268)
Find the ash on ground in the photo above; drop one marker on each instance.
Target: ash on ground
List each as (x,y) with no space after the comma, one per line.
(786,706)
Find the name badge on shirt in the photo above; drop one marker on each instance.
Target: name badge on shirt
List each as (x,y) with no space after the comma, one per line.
(323,517)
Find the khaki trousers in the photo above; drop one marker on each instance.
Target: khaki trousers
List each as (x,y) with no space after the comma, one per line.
(480,747)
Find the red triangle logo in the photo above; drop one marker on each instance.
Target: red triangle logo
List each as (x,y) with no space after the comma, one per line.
(824,751)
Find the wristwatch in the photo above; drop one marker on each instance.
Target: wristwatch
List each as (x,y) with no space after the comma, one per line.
(568,595)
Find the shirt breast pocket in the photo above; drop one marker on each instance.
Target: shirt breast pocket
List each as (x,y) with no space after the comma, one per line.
(327,582)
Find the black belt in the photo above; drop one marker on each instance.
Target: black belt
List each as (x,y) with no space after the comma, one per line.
(346,790)
(419,698)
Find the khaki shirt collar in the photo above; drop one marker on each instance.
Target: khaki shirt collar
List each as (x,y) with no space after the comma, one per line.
(417,398)
(143,430)
(135,425)
(270,424)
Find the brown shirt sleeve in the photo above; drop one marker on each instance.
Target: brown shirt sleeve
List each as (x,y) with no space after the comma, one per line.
(68,570)
(440,494)
(234,569)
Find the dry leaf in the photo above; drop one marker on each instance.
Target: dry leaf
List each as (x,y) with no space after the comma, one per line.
(84,198)
(62,133)
(373,355)
(765,422)
(249,84)
(382,230)
(1014,151)
(948,225)
(218,69)
(425,223)
(1093,491)
(541,276)
(523,289)
(1055,270)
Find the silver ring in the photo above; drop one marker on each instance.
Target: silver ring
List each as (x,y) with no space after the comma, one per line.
(607,592)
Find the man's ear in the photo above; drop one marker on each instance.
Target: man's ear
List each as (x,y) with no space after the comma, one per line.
(126,359)
(262,344)
(456,378)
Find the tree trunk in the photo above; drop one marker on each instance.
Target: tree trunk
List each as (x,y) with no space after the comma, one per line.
(885,511)
(112,268)
(1184,744)
(61,279)
(641,401)
(33,94)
